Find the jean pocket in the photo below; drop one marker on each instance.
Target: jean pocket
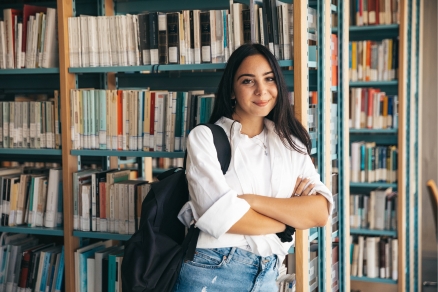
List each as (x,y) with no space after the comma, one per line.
(207,258)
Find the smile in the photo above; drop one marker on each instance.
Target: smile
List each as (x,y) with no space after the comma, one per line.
(261,103)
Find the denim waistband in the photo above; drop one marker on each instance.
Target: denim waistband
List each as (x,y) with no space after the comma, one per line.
(244,256)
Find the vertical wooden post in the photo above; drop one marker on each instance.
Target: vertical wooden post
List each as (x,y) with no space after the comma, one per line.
(328,98)
(301,103)
(345,142)
(401,176)
(69,162)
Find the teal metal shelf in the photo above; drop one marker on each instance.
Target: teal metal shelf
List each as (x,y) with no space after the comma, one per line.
(373,185)
(374,131)
(373,83)
(102,235)
(392,233)
(370,28)
(374,32)
(27,151)
(29,71)
(33,230)
(314,4)
(374,280)
(127,153)
(174,67)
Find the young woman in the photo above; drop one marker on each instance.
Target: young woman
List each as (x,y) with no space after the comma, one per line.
(271,184)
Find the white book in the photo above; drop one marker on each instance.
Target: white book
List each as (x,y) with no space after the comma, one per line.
(360,257)
(2,45)
(85,216)
(354,264)
(55,185)
(84,31)
(197,36)
(78,267)
(160,120)
(372,260)
(93,42)
(355,161)
(237,24)
(18,42)
(113,33)
(98,256)
(394,257)
(90,274)
(50,52)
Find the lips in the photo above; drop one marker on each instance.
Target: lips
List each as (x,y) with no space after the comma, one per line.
(261,103)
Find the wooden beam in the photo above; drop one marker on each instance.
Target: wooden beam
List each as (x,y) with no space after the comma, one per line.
(401,176)
(327,95)
(301,105)
(69,162)
(345,144)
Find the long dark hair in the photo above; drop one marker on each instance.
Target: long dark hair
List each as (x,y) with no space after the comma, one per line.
(286,125)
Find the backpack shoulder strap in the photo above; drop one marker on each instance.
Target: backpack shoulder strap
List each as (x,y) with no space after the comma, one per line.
(222,145)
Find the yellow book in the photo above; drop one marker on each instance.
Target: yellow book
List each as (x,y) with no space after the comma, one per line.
(354,61)
(390,71)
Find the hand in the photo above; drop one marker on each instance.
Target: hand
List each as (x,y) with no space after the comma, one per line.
(303,187)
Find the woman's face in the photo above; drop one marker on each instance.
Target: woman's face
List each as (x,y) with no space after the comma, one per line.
(255,88)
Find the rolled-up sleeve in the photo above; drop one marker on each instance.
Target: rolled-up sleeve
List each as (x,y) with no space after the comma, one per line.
(310,172)
(216,205)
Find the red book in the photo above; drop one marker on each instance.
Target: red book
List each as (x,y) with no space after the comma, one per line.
(371,93)
(29,10)
(102,195)
(10,16)
(152,108)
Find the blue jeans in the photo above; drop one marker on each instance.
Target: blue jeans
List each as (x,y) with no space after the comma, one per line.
(228,269)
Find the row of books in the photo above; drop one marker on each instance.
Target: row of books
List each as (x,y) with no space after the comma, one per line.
(31,196)
(98,267)
(378,210)
(136,119)
(28,38)
(371,108)
(186,37)
(108,201)
(27,265)
(371,163)
(373,60)
(374,12)
(374,257)
(166,163)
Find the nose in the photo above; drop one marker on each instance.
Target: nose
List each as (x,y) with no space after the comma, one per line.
(260,89)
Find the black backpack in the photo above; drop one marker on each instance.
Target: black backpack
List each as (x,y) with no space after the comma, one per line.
(154,254)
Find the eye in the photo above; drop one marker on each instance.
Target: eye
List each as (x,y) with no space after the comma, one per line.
(270,79)
(247,81)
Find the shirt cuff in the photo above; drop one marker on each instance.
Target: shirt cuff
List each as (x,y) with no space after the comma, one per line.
(223,214)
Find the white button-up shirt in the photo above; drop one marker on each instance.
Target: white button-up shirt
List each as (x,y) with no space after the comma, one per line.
(214,203)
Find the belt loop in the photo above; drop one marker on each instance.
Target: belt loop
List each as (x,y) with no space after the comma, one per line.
(230,255)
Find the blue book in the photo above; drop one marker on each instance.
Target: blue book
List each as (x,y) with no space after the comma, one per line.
(112,270)
(44,263)
(83,264)
(60,275)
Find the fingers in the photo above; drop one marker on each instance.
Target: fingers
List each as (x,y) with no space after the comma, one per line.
(303,187)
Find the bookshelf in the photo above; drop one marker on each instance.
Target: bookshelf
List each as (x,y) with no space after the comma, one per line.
(405,136)
(301,79)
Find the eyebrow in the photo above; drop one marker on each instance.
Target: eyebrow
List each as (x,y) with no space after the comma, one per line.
(252,75)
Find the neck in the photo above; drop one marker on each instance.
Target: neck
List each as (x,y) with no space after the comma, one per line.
(250,127)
